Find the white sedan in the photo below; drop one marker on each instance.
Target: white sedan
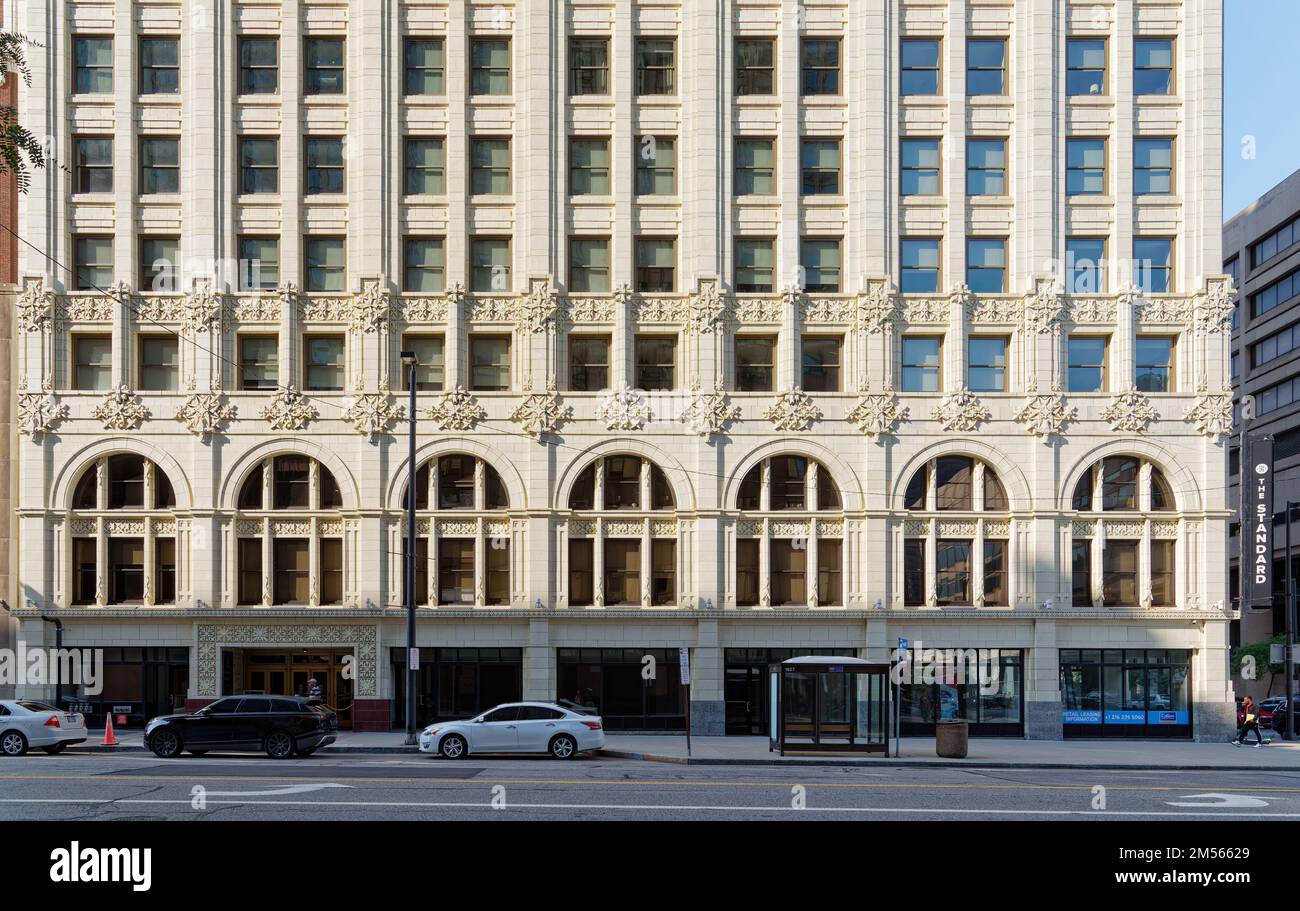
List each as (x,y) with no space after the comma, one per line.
(26,723)
(519,727)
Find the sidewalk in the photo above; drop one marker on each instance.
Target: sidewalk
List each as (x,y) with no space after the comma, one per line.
(917,751)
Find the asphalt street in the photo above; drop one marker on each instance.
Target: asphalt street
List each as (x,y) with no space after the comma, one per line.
(86,787)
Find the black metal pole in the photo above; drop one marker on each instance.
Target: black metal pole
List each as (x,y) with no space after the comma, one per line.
(1289,635)
(411,672)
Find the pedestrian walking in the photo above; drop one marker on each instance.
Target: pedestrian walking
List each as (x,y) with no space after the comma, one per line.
(1249,722)
(313,690)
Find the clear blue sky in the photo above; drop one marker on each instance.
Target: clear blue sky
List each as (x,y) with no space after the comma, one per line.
(1262,97)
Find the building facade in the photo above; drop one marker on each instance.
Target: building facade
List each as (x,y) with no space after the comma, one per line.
(754,328)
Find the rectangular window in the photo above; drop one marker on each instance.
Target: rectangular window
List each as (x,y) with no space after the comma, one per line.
(588,362)
(656,69)
(589,264)
(259,66)
(1085,265)
(656,265)
(426,167)
(423,265)
(160,264)
(92,363)
(1085,66)
(259,263)
(919,265)
(93,65)
(1087,363)
(159,363)
(292,482)
(755,167)
(789,579)
(496,584)
(1153,167)
(820,363)
(995,573)
(986,167)
(819,66)
(93,165)
(622,482)
(622,571)
(755,265)
(920,66)
(164,570)
(656,362)
(920,173)
(952,572)
(94,262)
(921,363)
(582,572)
(326,264)
(160,166)
(830,568)
(1279,240)
(663,572)
(589,167)
(1081,573)
(455,571)
(323,363)
(429,362)
(755,363)
(987,364)
(489,357)
(914,571)
(489,172)
(1120,573)
(1154,260)
(656,166)
(755,66)
(1276,294)
(331,570)
(820,167)
(1154,359)
(1153,66)
(489,67)
(746,572)
(820,261)
(323,60)
(588,66)
(84,571)
(126,570)
(160,66)
(426,67)
(291,571)
(986,265)
(325,167)
(986,66)
(259,362)
(1085,167)
(259,166)
(250,570)
(490,264)
(1163,593)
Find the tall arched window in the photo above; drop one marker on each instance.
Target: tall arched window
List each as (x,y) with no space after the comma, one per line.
(123,533)
(289,534)
(952,559)
(620,551)
(1130,558)
(784,558)
(463,537)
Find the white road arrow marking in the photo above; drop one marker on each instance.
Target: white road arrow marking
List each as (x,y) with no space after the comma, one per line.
(278,792)
(1218,800)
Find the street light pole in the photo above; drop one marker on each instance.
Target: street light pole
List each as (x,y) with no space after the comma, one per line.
(410,363)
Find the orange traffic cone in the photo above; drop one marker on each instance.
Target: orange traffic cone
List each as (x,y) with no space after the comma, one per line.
(109,739)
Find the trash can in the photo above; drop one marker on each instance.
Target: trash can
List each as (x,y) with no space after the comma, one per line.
(951,739)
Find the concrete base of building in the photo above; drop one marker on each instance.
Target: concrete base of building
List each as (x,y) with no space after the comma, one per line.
(371,715)
(1043,721)
(1215,721)
(708,717)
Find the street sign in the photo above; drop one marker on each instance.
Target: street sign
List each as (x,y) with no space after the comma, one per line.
(415,660)
(684,659)
(902,650)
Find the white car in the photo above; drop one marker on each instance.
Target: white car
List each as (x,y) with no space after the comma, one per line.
(26,723)
(517,727)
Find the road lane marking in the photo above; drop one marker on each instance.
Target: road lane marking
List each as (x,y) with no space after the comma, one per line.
(1218,800)
(278,792)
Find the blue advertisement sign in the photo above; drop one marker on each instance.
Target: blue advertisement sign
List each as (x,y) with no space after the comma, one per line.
(1080,716)
(1115,716)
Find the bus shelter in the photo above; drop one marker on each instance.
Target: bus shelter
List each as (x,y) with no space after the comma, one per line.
(829,704)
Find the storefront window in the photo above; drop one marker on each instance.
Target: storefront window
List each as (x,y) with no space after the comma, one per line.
(1126,692)
(993,707)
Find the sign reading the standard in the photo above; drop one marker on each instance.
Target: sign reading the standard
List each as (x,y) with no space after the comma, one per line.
(1257,520)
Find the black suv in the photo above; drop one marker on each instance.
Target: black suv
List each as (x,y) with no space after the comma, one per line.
(281,726)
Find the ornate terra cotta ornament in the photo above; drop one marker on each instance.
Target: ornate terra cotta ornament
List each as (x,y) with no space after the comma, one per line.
(1130,412)
(877,413)
(539,309)
(456,410)
(39,412)
(371,307)
(121,409)
(372,413)
(624,409)
(289,410)
(710,412)
(201,308)
(1046,414)
(1211,413)
(961,411)
(707,309)
(541,413)
(877,306)
(1045,307)
(1215,307)
(793,411)
(35,305)
(205,414)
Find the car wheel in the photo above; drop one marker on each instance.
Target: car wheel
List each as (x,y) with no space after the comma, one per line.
(563,747)
(166,744)
(279,745)
(453,747)
(56,749)
(13,743)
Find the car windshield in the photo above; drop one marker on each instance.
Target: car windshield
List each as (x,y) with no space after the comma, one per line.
(37,706)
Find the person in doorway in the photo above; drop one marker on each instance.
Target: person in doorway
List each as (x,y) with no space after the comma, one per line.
(313,690)
(1249,722)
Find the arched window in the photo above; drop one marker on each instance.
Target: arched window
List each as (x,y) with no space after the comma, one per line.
(289,541)
(466,555)
(127,555)
(616,558)
(1131,561)
(797,561)
(956,562)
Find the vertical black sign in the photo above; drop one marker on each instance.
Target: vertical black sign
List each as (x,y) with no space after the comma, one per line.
(1257,520)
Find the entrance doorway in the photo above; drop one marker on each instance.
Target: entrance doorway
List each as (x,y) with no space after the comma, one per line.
(288,673)
(745,687)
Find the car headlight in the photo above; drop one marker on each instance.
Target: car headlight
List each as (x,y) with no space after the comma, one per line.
(429,732)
